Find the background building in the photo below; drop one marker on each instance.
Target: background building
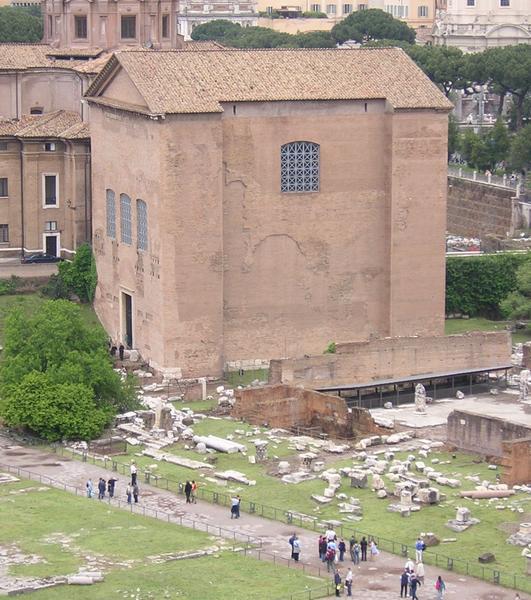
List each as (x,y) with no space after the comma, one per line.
(416,13)
(252,212)
(45,184)
(193,13)
(474,25)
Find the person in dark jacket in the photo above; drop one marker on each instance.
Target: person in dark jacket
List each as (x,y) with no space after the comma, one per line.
(404,583)
(342,548)
(101,489)
(135,493)
(188,492)
(322,547)
(363,545)
(413,584)
(111,485)
(337,583)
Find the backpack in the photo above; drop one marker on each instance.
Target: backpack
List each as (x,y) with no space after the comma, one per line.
(423,546)
(437,585)
(330,554)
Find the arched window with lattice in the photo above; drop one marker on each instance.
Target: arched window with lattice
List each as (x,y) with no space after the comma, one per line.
(125,219)
(299,167)
(111,214)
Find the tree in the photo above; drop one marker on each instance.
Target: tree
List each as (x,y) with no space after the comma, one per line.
(217,30)
(453,135)
(445,66)
(485,150)
(53,411)
(80,276)
(517,305)
(520,156)
(57,342)
(19,25)
(315,39)
(363,26)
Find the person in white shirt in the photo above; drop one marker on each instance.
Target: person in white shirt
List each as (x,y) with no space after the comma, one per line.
(410,565)
(133,473)
(330,535)
(419,572)
(348,581)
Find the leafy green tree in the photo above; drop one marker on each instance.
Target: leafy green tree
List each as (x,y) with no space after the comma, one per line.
(454,136)
(315,39)
(217,30)
(389,44)
(486,149)
(526,113)
(53,411)
(56,341)
(314,14)
(20,25)
(445,66)
(520,157)
(517,305)
(80,276)
(363,26)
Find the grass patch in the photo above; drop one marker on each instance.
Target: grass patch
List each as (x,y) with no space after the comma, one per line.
(225,576)
(452,326)
(234,378)
(198,406)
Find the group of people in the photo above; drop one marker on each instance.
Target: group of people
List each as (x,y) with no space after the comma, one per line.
(190,491)
(332,550)
(103,487)
(413,577)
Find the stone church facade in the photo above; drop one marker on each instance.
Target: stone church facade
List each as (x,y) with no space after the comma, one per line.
(263,203)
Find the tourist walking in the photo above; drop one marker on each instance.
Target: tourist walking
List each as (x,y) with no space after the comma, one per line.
(440,586)
(135,493)
(419,547)
(419,572)
(235,507)
(296,549)
(188,491)
(128,493)
(194,492)
(133,473)
(404,583)
(337,583)
(413,584)
(342,549)
(290,542)
(363,545)
(330,535)
(348,581)
(357,552)
(111,484)
(322,547)
(101,488)
(90,488)
(409,566)
(330,556)
(374,550)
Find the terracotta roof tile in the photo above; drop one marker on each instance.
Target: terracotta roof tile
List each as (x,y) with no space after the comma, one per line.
(20,57)
(196,82)
(59,124)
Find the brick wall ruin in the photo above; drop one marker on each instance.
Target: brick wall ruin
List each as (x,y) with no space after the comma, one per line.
(517,461)
(287,406)
(388,358)
(477,209)
(482,434)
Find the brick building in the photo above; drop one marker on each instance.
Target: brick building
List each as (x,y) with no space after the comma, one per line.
(262,203)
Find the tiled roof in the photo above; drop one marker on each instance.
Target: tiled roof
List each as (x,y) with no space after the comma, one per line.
(202,45)
(197,82)
(59,124)
(20,57)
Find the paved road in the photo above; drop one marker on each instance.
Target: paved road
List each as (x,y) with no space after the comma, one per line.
(373,580)
(14,267)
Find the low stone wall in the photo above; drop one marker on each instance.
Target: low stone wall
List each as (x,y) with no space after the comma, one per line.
(287,406)
(482,434)
(517,461)
(392,358)
(477,209)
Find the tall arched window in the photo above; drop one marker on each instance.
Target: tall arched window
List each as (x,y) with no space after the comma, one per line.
(141,225)
(299,167)
(125,219)
(111,214)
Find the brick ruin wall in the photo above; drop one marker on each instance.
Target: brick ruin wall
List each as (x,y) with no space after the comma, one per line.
(482,434)
(517,461)
(477,209)
(390,358)
(287,406)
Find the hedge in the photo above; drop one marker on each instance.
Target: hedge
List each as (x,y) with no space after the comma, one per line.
(475,286)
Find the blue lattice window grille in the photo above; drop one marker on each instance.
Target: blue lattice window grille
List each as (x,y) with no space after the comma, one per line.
(125,219)
(111,214)
(299,167)
(141,225)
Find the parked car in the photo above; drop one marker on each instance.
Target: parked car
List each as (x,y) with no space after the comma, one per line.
(41,258)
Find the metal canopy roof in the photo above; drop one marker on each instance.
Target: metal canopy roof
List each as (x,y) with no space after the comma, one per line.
(422,377)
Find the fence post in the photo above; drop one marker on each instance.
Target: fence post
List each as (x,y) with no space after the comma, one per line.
(475,175)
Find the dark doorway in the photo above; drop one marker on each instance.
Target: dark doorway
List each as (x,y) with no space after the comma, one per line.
(127,300)
(51,245)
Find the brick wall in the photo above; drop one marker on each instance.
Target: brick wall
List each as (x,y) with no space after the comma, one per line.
(476,209)
(517,461)
(287,406)
(389,358)
(482,434)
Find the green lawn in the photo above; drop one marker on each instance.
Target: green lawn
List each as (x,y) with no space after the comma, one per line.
(128,548)
(30,303)
(234,378)
(481,324)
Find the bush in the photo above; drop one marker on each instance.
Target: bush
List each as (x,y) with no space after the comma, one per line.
(314,14)
(476,286)
(79,276)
